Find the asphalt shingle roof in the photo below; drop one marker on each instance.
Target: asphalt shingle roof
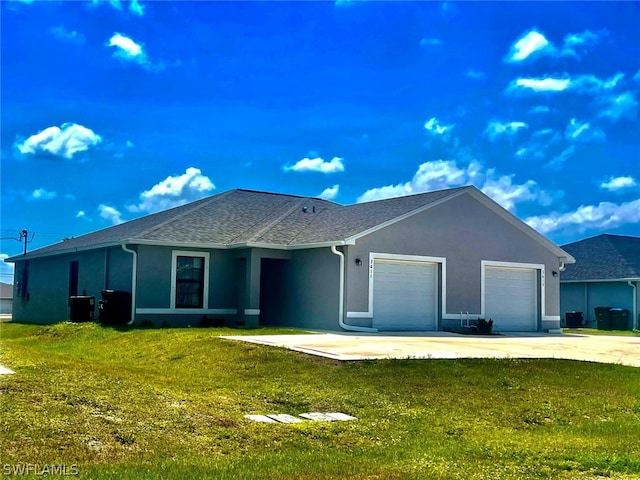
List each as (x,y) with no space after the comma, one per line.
(605,257)
(241,216)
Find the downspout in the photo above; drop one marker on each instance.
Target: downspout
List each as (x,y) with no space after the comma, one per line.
(134,282)
(352,328)
(635,305)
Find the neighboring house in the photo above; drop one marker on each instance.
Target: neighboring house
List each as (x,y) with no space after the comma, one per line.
(606,274)
(418,262)
(6,298)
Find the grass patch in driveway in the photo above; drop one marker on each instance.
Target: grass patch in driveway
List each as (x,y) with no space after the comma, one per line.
(170,403)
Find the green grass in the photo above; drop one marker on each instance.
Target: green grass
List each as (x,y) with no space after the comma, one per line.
(595,331)
(170,403)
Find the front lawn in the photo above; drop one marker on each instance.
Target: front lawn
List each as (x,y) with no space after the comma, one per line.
(595,331)
(170,404)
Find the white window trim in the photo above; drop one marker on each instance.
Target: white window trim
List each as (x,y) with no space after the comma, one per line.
(174,270)
(373,256)
(527,266)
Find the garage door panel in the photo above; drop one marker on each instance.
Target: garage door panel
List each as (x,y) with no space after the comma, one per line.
(404,296)
(511,298)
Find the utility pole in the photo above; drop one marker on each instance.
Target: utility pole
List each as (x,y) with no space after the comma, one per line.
(23,238)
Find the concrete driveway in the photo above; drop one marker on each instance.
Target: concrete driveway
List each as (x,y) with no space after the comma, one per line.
(349,346)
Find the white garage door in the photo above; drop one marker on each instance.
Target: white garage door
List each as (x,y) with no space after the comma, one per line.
(511,299)
(404,295)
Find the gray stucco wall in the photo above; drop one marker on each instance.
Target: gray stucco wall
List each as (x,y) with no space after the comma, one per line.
(305,289)
(154,277)
(47,298)
(584,297)
(465,232)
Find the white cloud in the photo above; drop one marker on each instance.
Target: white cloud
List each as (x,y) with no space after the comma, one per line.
(134,5)
(43,194)
(71,36)
(317,165)
(539,109)
(81,214)
(136,8)
(330,193)
(65,141)
(605,215)
(528,44)
(126,48)
(534,44)
(544,84)
(174,191)
(476,74)
(507,194)
(558,162)
(623,106)
(581,84)
(347,3)
(430,176)
(430,42)
(440,174)
(592,85)
(575,41)
(497,129)
(448,10)
(539,144)
(433,126)
(583,132)
(619,183)
(110,214)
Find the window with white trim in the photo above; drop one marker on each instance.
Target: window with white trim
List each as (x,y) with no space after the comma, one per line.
(190,274)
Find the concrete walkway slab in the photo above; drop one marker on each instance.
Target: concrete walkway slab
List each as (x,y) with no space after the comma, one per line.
(425,345)
(5,371)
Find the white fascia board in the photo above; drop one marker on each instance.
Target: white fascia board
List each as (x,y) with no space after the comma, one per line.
(66,251)
(165,243)
(563,256)
(603,280)
(299,246)
(418,210)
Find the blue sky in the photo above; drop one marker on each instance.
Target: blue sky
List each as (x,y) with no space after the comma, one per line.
(115,109)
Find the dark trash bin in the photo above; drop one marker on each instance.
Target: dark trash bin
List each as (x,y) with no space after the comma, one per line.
(115,307)
(603,317)
(619,319)
(573,319)
(81,308)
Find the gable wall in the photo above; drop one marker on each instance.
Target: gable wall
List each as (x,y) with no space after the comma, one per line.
(48,284)
(463,231)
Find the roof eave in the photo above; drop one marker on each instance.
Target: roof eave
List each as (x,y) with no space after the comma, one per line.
(64,251)
(602,280)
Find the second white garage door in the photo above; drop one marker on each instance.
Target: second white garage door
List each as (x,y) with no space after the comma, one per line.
(511,298)
(404,295)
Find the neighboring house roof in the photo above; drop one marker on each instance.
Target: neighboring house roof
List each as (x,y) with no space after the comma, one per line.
(239,218)
(6,291)
(605,257)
